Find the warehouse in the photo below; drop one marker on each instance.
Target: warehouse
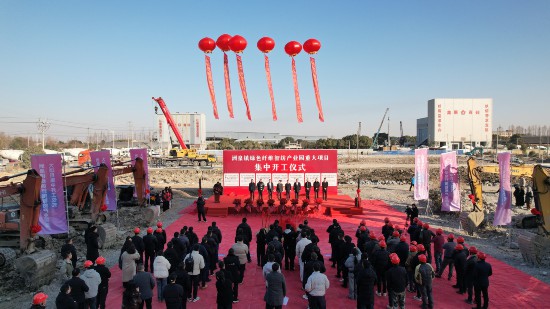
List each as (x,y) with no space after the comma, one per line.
(192,127)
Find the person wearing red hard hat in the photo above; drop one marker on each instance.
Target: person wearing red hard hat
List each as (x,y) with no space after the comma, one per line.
(370,245)
(459,259)
(380,260)
(392,242)
(469,274)
(482,271)
(138,242)
(425,237)
(160,234)
(39,301)
(460,240)
(103,288)
(150,243)
(414,263)
(449,248)
(402,250)
(438,241)
(92,280)
(396,277)
(410,269)
(424,275)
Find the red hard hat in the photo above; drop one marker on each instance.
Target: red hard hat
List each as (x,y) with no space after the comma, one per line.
(403,238)
(473,250)
(382,244)
(415,219)
(395,260)
(159,230)
(395,234)
(150,230)
(159,224)
(414,243)
(395,227)
(137,230)
(372,236)
(39,298)
(460,240)
(363,228)
(88,263)
(439,232)
(419,223)
(481,255)
(381,238)
(412,249)
(451,236)
(363,222)
(459,247)
(422,258)
(100,261)
(386,219)
(421,248)
(426,226)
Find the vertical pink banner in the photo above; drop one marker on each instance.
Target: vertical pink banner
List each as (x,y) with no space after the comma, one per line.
(421,174)
(104,157)
(448,176)
(53,217)
(503,213)
(142,153)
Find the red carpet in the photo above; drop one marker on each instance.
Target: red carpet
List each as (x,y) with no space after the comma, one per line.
(509,287)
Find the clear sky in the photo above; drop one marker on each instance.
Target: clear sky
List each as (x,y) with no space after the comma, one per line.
(98,63)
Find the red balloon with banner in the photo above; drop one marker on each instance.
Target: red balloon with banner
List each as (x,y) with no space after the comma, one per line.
(265,45)
(238,44)
(293,48)
(223,43)
(312,46)
(207,45)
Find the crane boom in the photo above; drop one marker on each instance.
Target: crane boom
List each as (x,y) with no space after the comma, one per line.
(375,142)
(170,121)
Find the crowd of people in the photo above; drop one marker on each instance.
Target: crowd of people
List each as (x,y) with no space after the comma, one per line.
(373,268)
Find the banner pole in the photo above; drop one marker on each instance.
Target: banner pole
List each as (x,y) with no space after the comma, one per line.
(66,196)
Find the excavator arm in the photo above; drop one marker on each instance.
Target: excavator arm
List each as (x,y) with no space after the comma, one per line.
(541,194)
(138,169)
(170,121)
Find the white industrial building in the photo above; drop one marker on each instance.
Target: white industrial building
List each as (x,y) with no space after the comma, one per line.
(192,127)
(456,123)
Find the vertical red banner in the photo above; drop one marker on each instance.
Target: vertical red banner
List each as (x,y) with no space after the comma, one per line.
(296,92)
(316,88)
(227,85)
(211,85)
(270,87)
(243,85)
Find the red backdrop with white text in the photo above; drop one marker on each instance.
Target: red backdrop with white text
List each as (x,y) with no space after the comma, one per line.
(240,166)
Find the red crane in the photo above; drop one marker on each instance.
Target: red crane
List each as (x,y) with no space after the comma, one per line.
(170,121)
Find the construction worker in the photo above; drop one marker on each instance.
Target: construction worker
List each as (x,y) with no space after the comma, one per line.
(393,241)
(103,288)
(438,242)
(138,243)
(92,280)
(39,301)
(426,239)
(414,263)
(424,275)
(387,229)
(396,277)
(410,269)
(380,260)
(449,248)
(459,259)
(482,271)
(150,242)
(469,274)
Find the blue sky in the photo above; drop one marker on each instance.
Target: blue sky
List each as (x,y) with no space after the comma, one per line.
(98,63)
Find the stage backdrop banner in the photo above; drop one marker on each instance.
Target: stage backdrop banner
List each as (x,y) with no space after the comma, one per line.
(421,174)
(53,217)
(448,176)
(503,213)
(104,157)
(142,153)
(279,165)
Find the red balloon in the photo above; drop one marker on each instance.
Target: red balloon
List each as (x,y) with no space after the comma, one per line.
(312,46)
(207,45)
(266,44)
(237,44)
(293,48)
(223,42)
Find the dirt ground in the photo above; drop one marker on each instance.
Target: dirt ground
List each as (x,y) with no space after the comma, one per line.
(382,177)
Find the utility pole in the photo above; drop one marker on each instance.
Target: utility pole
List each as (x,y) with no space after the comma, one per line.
(88,139)
(43,126)
(358,133)
(113,139)
(129,130)
(389,139)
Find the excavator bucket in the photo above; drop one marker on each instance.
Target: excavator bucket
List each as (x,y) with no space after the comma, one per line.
(139,179)
(30,209)
(100,193)
(471,220)
(474,179)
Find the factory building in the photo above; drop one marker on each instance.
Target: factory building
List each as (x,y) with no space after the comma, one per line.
(456,123)
(192,127)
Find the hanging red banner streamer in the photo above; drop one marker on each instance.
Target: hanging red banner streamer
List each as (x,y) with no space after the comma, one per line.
(296,92)
(243,85)
(270,87)
(316,88)
(227,85)
(211,85)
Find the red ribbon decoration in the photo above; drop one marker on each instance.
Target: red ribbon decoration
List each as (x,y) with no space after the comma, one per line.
(270,87)
(227,85)
(211,85)
(243,85)
(296,92)
(316,88)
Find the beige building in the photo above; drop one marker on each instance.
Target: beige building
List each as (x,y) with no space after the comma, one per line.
(192,127)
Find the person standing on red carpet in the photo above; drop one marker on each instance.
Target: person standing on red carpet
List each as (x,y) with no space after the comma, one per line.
(247,236)
(233,266)
(251,189)
(424,275)
(275,288)
(410,269)
(316,186)
(387,229)
(380,260)
(146,283)
(438,242)
(241,251)
(280,190)
(194,263)
(366,279)
(316,288)
(482,271)
(270,189)
(324,184)
(459,258)
(297,188)
(261,187)
(426,237)
(469,275)
(300,246)
(397,283)
(289,246)
(201,211)
(307,187)
(449,247)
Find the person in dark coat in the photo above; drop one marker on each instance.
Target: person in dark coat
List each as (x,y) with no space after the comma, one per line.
(201,210)
(370,245)
(92,244)
(173,294)
(130,297)
(316,186)
(280,189)
(103,287)
(150,242)
(297,187)
(161,239)
(387,229)
(347,249)
(216,230)
(426,237)
(380,261)
(232,266)
(64,299)
(224,296)
(402,250)
(270,188)
(251,188)
(192,236)
(138,243)
(469,273)
(412,213)
(482,272)
(338,252)
(308,267)
(288,188)
(247,236)
(412,230)
(365,280)
(69,247)
(261,187)
(172,256)
(78,287)
(424,275)
(146,283)
(276,288)
(459,258)
(289,246)
(333,230)
(307,187)
(396,277)
(260,246)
